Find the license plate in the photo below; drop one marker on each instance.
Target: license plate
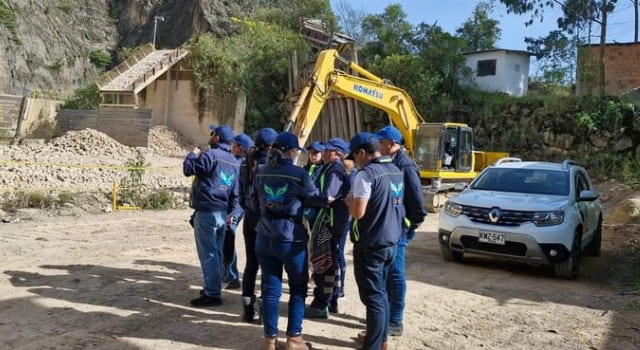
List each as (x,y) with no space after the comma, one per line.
(492,237)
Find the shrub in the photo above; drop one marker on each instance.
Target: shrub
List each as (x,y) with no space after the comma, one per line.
(7,16)
(158,201)
(100,58)
(87,97)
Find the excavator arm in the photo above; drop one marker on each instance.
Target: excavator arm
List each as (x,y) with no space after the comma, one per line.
(366,88)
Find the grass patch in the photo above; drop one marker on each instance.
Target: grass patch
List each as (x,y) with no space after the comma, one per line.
(7,16)
(27,199)
(66,7)
(160,200)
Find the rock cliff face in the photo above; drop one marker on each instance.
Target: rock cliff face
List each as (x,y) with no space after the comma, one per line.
(47,45)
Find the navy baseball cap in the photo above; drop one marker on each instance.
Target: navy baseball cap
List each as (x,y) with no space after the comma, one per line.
(337,144)
(286,141)
(265,137)
(213,127)
(225,133)
(361,140)
(243,140)
(316,146)
(390,133)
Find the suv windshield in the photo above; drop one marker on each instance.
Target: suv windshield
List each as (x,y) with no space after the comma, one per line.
(521,180)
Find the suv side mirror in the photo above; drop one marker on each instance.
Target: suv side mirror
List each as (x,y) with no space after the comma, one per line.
(588,196)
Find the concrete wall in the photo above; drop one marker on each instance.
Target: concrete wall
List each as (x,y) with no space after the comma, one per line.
(127,126)
(516,73)
(506,80)
(178,107)
(39,119)
(10,110)
(621,67)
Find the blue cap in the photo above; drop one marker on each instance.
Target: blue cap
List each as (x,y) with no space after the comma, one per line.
(244,141)
(337,144)
(225,133)
(213,127)
(363,139)
(390,133)
(286,141)
(265,137)
(316,146)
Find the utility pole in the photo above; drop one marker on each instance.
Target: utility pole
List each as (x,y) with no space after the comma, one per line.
(603,44)
(155,28)
(635,27)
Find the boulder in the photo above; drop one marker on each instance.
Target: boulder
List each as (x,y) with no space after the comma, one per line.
(627,212)
(623,144)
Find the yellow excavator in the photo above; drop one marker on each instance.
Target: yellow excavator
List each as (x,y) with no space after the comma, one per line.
(443,151)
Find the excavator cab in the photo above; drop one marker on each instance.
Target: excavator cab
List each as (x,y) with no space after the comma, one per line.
(444,150)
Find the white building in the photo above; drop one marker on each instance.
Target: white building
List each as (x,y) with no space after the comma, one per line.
(500,70)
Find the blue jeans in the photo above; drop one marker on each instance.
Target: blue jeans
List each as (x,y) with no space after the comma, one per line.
(371,269)
(397,283)
(209,230)
(273,256)
(342,262)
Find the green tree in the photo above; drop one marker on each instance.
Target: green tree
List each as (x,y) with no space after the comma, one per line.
(287,13)
(577,14)
(387,33)
(254,61)
(480,32)
(350,20)
(556,57)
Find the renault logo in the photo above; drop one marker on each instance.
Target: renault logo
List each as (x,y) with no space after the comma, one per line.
(494,215)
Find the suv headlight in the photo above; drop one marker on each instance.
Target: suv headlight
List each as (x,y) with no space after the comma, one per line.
(548,218)
(452,208)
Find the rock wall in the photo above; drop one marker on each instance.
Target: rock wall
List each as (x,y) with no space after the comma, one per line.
(556,129)
(48,43)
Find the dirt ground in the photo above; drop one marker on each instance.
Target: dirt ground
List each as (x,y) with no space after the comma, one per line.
(124,280)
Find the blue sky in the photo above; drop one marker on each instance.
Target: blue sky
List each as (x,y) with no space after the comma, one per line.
(450,14)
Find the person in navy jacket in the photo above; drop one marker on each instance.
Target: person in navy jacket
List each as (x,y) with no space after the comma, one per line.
(242,143)
(334,184)
(390,141)
(256,157)
(376,205)
(283,189)
(215,200)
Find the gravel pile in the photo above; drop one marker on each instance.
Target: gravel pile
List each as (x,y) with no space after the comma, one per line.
(88,142)
(86,160)
(168,142)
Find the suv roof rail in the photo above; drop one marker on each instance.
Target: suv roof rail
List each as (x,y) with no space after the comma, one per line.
(508,160)
(567,162)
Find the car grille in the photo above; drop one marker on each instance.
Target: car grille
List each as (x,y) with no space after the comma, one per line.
(508,217)
(510,248)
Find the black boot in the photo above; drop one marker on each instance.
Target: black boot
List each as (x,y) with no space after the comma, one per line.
(251,312)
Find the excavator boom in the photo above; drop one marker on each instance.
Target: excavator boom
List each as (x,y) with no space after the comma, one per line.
(368,89)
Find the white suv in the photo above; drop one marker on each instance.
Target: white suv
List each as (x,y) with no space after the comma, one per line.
(538,212)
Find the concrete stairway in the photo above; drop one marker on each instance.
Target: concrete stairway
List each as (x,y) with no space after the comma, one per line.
(139,70)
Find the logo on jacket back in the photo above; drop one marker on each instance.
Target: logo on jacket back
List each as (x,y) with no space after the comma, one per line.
(226,180)
(396,193)
(275,198)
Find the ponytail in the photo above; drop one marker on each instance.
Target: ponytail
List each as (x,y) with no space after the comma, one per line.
(275,155)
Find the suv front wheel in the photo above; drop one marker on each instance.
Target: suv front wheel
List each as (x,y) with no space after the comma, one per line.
(568,269)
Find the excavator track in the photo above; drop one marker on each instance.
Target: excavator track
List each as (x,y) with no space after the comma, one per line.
(434,200)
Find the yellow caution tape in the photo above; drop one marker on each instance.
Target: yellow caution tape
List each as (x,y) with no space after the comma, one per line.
(86,166)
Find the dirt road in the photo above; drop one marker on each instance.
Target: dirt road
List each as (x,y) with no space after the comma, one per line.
(123,281)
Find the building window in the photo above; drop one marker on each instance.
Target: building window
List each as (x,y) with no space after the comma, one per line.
(516,67)
(486,67)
